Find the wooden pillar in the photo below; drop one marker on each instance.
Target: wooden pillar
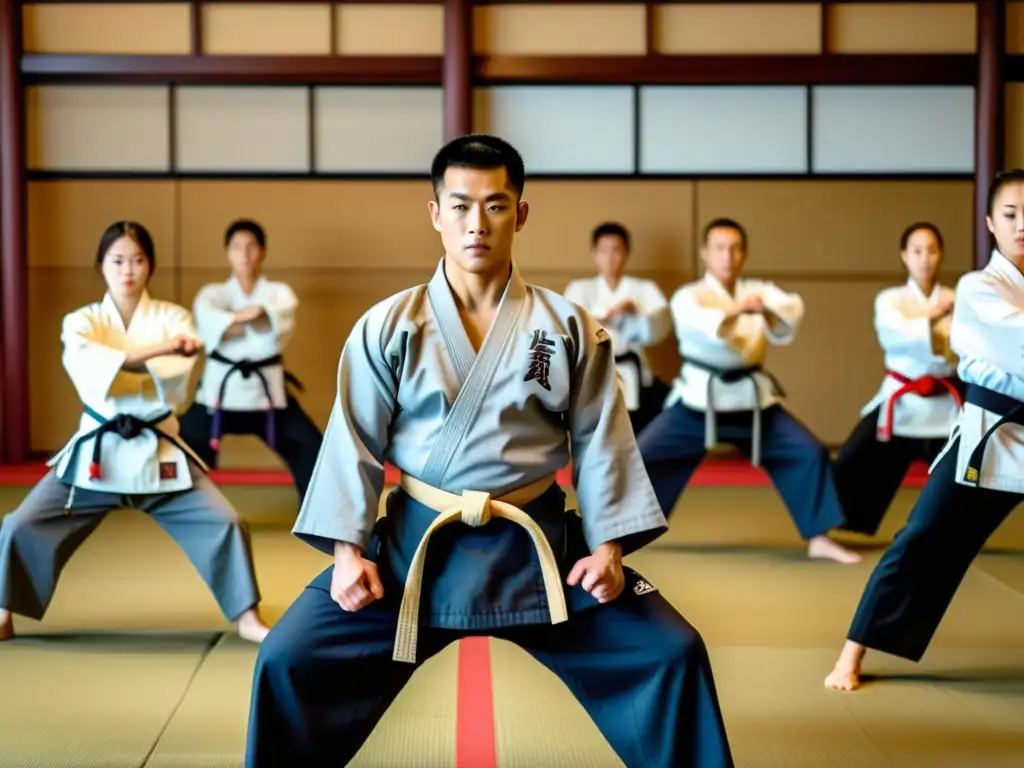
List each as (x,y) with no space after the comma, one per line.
(989,116)
(458,60)
(13,251)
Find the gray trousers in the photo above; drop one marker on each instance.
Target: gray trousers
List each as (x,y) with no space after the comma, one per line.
(41,535)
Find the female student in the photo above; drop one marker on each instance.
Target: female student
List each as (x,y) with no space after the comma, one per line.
(911,415)
(130,358)
(977,479)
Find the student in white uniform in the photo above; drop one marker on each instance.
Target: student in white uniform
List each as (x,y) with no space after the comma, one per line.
(635,313)
(245,324)
(911,415)
(129,357)
(477,386)
(724,324)
(978,478)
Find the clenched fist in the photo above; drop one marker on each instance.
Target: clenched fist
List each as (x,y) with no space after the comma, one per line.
(355,582)
(600,573)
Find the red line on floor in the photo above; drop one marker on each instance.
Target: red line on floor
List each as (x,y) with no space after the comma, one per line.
(475,741)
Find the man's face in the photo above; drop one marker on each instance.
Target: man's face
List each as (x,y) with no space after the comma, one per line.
(478,217)
(610,255)
(723,254)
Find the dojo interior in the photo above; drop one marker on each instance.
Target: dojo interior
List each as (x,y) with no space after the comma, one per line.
(825,128)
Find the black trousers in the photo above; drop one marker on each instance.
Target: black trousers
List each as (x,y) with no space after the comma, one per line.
(868,473)
(915,581)
(324,678)
(297,438)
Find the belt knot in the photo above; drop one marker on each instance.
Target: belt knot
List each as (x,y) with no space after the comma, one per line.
(476,508)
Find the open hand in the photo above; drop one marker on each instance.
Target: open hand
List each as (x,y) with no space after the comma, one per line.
(600,573)
(355,582)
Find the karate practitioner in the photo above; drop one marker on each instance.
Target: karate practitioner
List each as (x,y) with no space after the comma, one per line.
(246,323)
(977,479)
(911,415)
(129,357)
(724,324)
(635,314)
(476,386)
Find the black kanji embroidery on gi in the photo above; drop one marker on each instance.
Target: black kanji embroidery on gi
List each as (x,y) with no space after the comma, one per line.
(541,350)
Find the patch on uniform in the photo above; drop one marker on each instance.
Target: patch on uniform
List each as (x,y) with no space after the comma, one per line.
(643,586)
(168,470)
(541,350)
(602,336)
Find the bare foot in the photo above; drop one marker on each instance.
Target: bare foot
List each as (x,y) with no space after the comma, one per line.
(846,674)
(6,625)
(251,626)
(823,548)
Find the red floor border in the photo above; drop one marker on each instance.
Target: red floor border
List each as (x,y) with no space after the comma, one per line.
(714,472)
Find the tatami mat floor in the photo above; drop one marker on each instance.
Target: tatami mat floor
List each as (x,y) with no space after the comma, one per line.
(134,666)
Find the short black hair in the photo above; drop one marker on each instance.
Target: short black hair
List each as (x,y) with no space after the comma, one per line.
(918,225)
(725,223)
(610,229)
(1000,181)
(246,225)
(130,229)
(478,150)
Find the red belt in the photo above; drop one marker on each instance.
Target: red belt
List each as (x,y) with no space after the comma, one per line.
(926,386)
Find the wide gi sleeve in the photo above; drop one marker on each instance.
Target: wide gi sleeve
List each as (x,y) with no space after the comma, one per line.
(281,306)
(784,311)
(899,332)
(95,368)
(616,499)
(172,373)
(213,318)
(653,323)
(699,322)
(988,323)
(343,498)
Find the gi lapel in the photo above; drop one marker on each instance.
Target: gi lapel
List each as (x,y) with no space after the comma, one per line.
(476,371)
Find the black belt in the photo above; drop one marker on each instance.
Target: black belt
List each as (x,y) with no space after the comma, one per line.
(127,427)
(247,368)
(729,376)
(1010,410)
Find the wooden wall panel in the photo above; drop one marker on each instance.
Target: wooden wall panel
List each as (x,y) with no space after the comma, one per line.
(1015,27)
(552,30)
(902,28)
(839,229)
(314,224)
(266,28)
(126,28)
(390,30)
(728,28)
(345,245)
(563,214)
(1014,145)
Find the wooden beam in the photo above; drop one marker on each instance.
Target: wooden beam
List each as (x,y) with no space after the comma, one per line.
(458,57)
(827,69)
(13,251)
(989,116)
(230,70)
